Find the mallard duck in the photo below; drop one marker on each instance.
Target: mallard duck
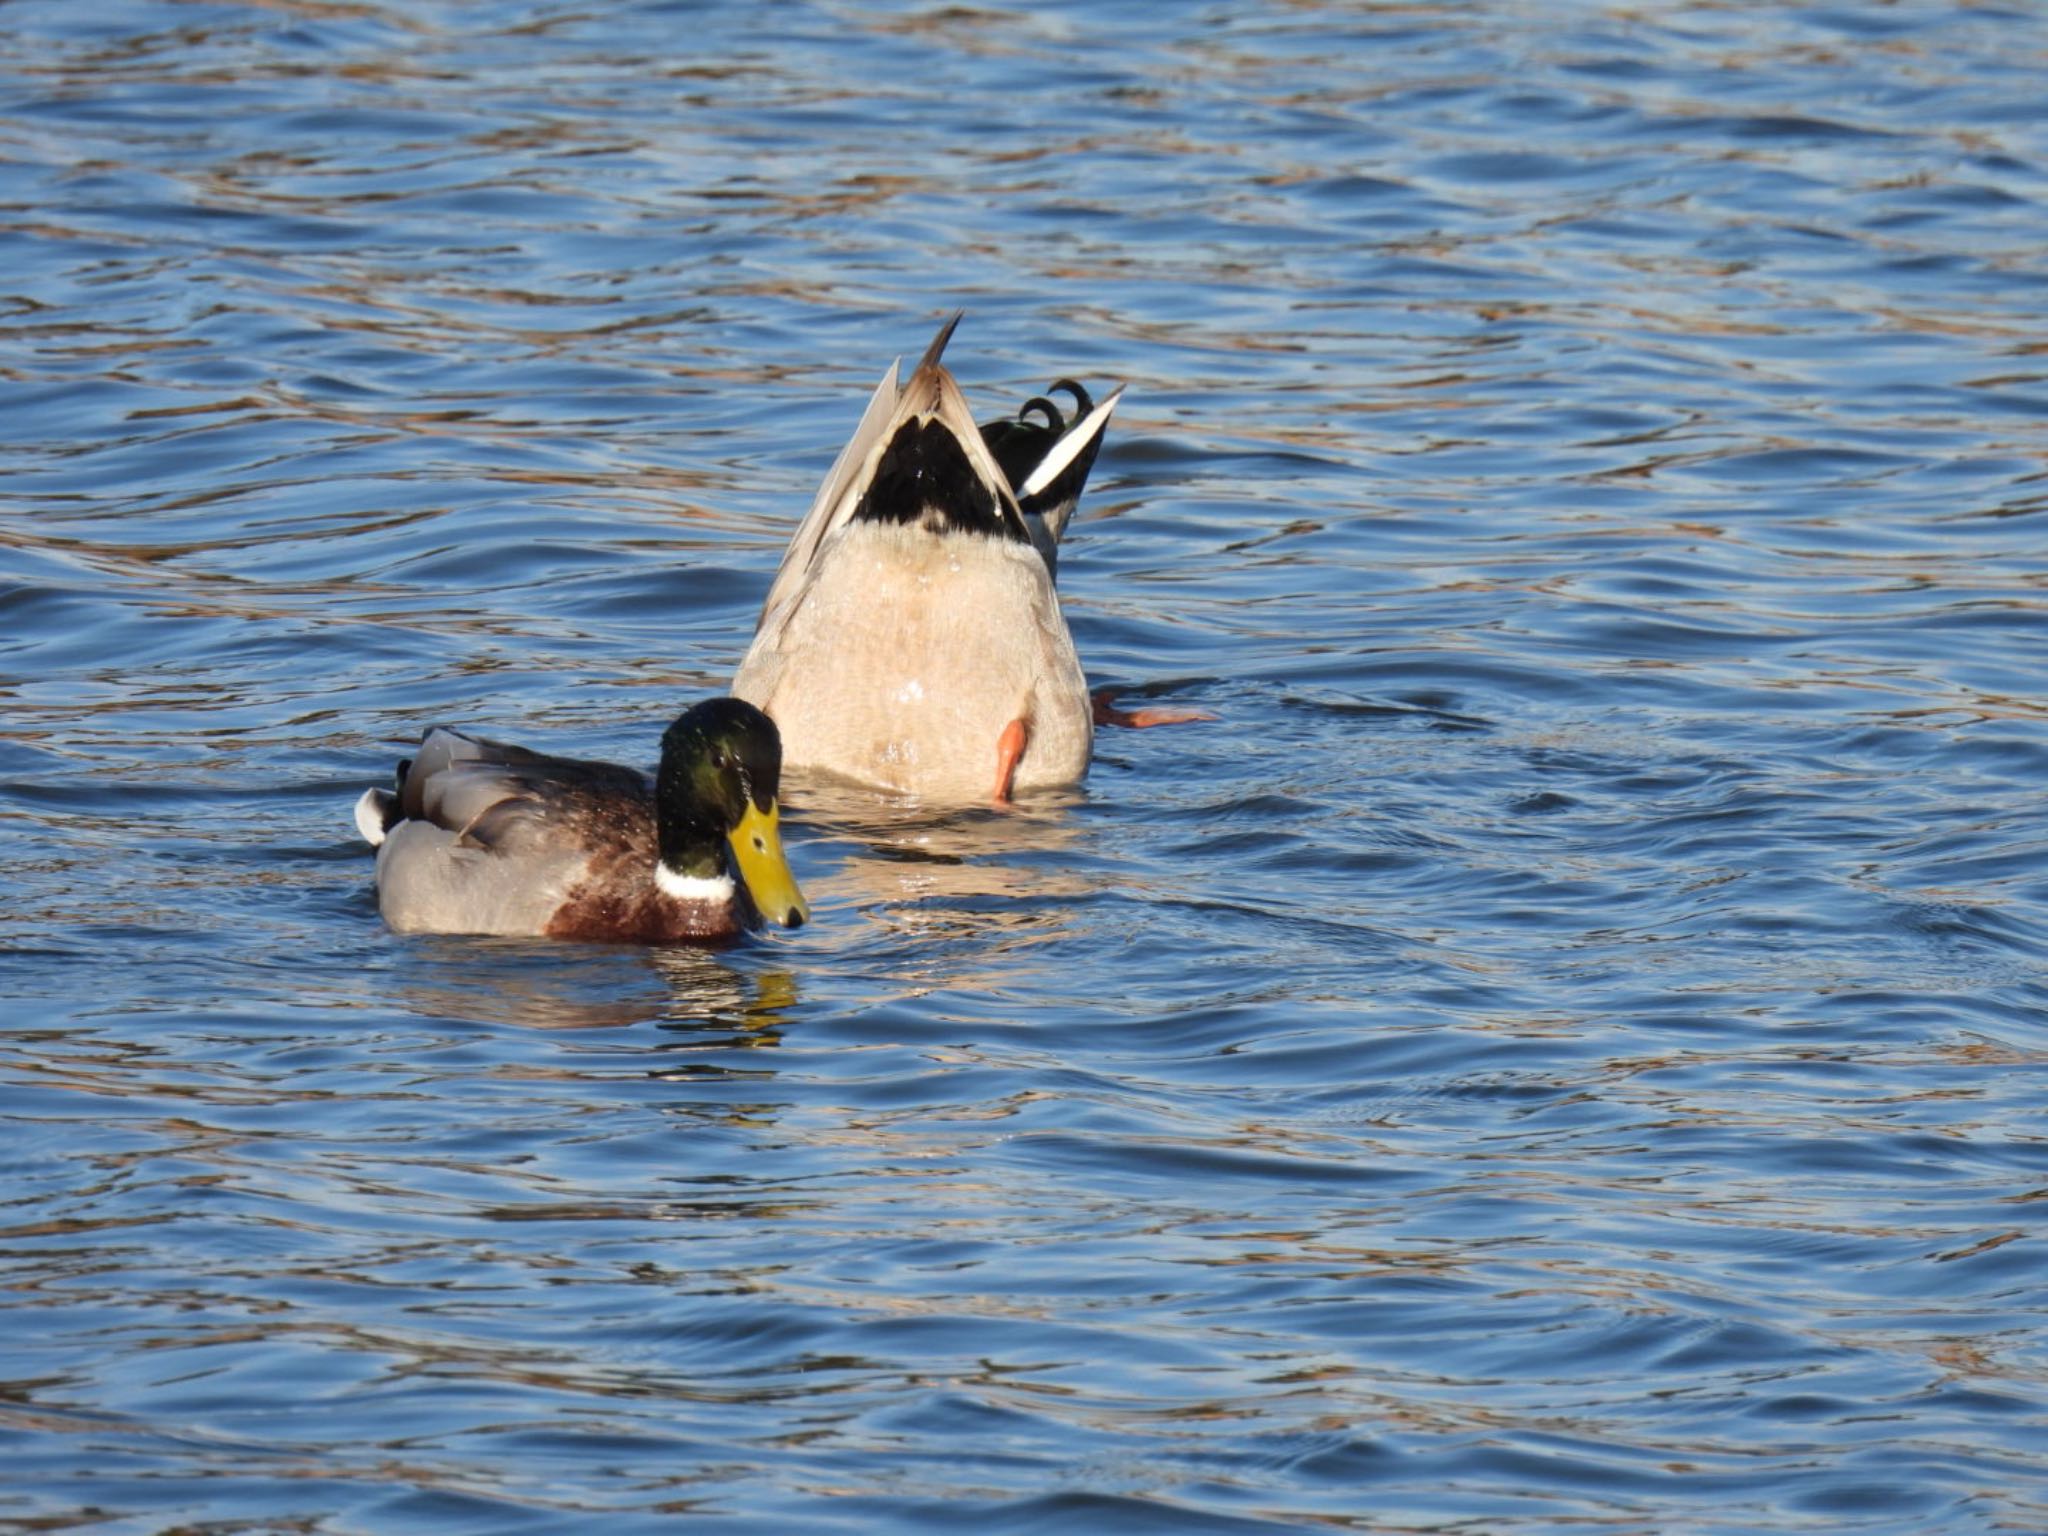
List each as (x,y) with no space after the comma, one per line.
(913,637)
(482,837)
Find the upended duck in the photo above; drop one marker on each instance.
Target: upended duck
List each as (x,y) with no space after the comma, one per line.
(483,837)
(913,637)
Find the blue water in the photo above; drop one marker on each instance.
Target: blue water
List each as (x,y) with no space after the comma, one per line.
(1564,1051)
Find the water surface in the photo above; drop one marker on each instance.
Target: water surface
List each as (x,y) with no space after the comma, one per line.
(1564,1051)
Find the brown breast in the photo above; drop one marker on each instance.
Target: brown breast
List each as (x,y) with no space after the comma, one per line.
(611,907)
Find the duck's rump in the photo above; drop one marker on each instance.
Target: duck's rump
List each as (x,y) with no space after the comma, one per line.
(909,655)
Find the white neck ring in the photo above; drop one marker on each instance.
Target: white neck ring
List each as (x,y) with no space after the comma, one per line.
(691,887)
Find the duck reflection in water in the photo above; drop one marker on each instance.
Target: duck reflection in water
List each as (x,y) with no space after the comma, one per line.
(715,1005)
(526,985)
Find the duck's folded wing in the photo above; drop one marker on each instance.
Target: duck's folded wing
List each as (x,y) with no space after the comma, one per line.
(833,505)
(494,795)
(425,779)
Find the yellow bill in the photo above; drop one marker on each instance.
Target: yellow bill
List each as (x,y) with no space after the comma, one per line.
(757,849)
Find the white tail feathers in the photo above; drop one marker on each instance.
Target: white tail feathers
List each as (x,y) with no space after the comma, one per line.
(373,815)
(1070,446)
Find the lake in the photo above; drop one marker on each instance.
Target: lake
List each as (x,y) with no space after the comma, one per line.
(1564,1050)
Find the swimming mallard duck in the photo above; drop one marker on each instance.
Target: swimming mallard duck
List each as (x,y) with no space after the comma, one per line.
(483,837)
(913,637)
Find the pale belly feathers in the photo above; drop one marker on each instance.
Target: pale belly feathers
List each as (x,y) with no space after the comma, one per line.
(905,659)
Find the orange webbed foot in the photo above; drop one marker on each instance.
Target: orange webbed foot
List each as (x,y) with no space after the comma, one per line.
(1009,752)
(1106,713)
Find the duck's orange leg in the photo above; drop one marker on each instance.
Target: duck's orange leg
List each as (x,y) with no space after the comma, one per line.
(1009,753)
(1106,713)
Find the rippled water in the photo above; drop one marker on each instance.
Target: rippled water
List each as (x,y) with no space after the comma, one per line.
(1564,1051)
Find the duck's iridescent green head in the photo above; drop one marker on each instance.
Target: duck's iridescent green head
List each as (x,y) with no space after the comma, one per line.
(715,800)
